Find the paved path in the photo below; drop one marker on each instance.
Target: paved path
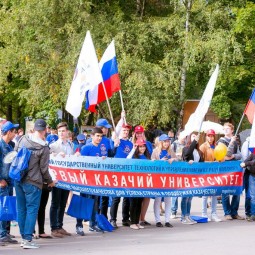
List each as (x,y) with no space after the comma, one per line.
(231,237)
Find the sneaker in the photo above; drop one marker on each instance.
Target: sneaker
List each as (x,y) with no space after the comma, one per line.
(126,223)
(55,233)
(145,223)
(173,216)
(8,239)
(30,245)
(250,218)
(22,243)
(64,232)
(114,224)
(140,226)
(11,236)
(186,221)
(206,216)
(168,225)
(95,229)
(159,225)
(134,226)
(79,231)
(191,220)
(228,217)
(215,218)
(238,217)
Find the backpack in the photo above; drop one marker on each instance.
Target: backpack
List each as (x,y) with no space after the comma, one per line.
(19,166)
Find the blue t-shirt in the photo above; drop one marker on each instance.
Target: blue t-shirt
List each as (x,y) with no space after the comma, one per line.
(91,150)
(105,146)
(142,157)
(164,154)
(149,147)
(123,149)
(51,138)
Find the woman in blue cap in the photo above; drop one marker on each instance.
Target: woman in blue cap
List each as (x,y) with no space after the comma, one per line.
(163,152)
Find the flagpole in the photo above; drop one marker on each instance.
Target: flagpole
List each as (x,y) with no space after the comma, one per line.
(240,122)
(122,105)
(109,107)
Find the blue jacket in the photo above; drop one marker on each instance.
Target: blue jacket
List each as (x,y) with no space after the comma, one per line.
(4,168)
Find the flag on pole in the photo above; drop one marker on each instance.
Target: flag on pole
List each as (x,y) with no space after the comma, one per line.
(252,137)
(109,69)
(195,120)
(250,107)
(87,76)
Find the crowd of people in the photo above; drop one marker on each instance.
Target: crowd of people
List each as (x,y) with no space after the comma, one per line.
(33,191)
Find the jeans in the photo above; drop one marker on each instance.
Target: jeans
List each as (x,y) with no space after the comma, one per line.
(57,209)
(125,209)
(5,225)
(174,205)
(28,201)
(104,206)
(252,193)
(135,209)
(41,211)
(247,204)
(230,208)
(214,205)
(156,208)
(186,206)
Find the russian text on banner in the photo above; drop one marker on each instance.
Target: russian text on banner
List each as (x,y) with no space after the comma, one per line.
(146,178)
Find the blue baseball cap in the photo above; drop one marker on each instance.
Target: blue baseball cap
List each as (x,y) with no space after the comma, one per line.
(8,126)
(81,137)
(164,137)
(103,123)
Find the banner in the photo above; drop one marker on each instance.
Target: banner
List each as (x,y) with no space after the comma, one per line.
(146,178)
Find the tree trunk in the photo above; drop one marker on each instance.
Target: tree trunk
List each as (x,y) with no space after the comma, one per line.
(9,112)
(188,5)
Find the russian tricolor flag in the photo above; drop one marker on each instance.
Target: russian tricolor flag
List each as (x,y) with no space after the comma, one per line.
(109,69)
(250,107)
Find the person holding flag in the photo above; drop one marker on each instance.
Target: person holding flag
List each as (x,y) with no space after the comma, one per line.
(233,153)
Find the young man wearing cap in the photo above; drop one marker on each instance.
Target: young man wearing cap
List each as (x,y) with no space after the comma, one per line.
(28,191)
(106,151)
(61,147)
(93,150)
(122,147)
(81,142)
(6,187)
(233,153)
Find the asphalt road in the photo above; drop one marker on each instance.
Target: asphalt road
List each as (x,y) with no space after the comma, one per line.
(227,237)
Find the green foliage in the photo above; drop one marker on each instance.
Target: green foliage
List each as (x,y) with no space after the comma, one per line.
(40,43)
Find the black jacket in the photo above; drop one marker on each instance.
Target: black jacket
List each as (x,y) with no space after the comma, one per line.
(187,152)
(250,164)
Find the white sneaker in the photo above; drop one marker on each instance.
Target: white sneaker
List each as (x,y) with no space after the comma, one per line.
(215,218)
(30,245)
(204,215)
(186,221)
(22,242)
(134,226)
(191,220)
(173,216)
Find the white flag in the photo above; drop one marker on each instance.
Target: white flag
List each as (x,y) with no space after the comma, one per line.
(87,76)
(195,120)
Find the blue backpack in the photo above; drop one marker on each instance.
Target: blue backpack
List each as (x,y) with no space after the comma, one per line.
(19,166)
